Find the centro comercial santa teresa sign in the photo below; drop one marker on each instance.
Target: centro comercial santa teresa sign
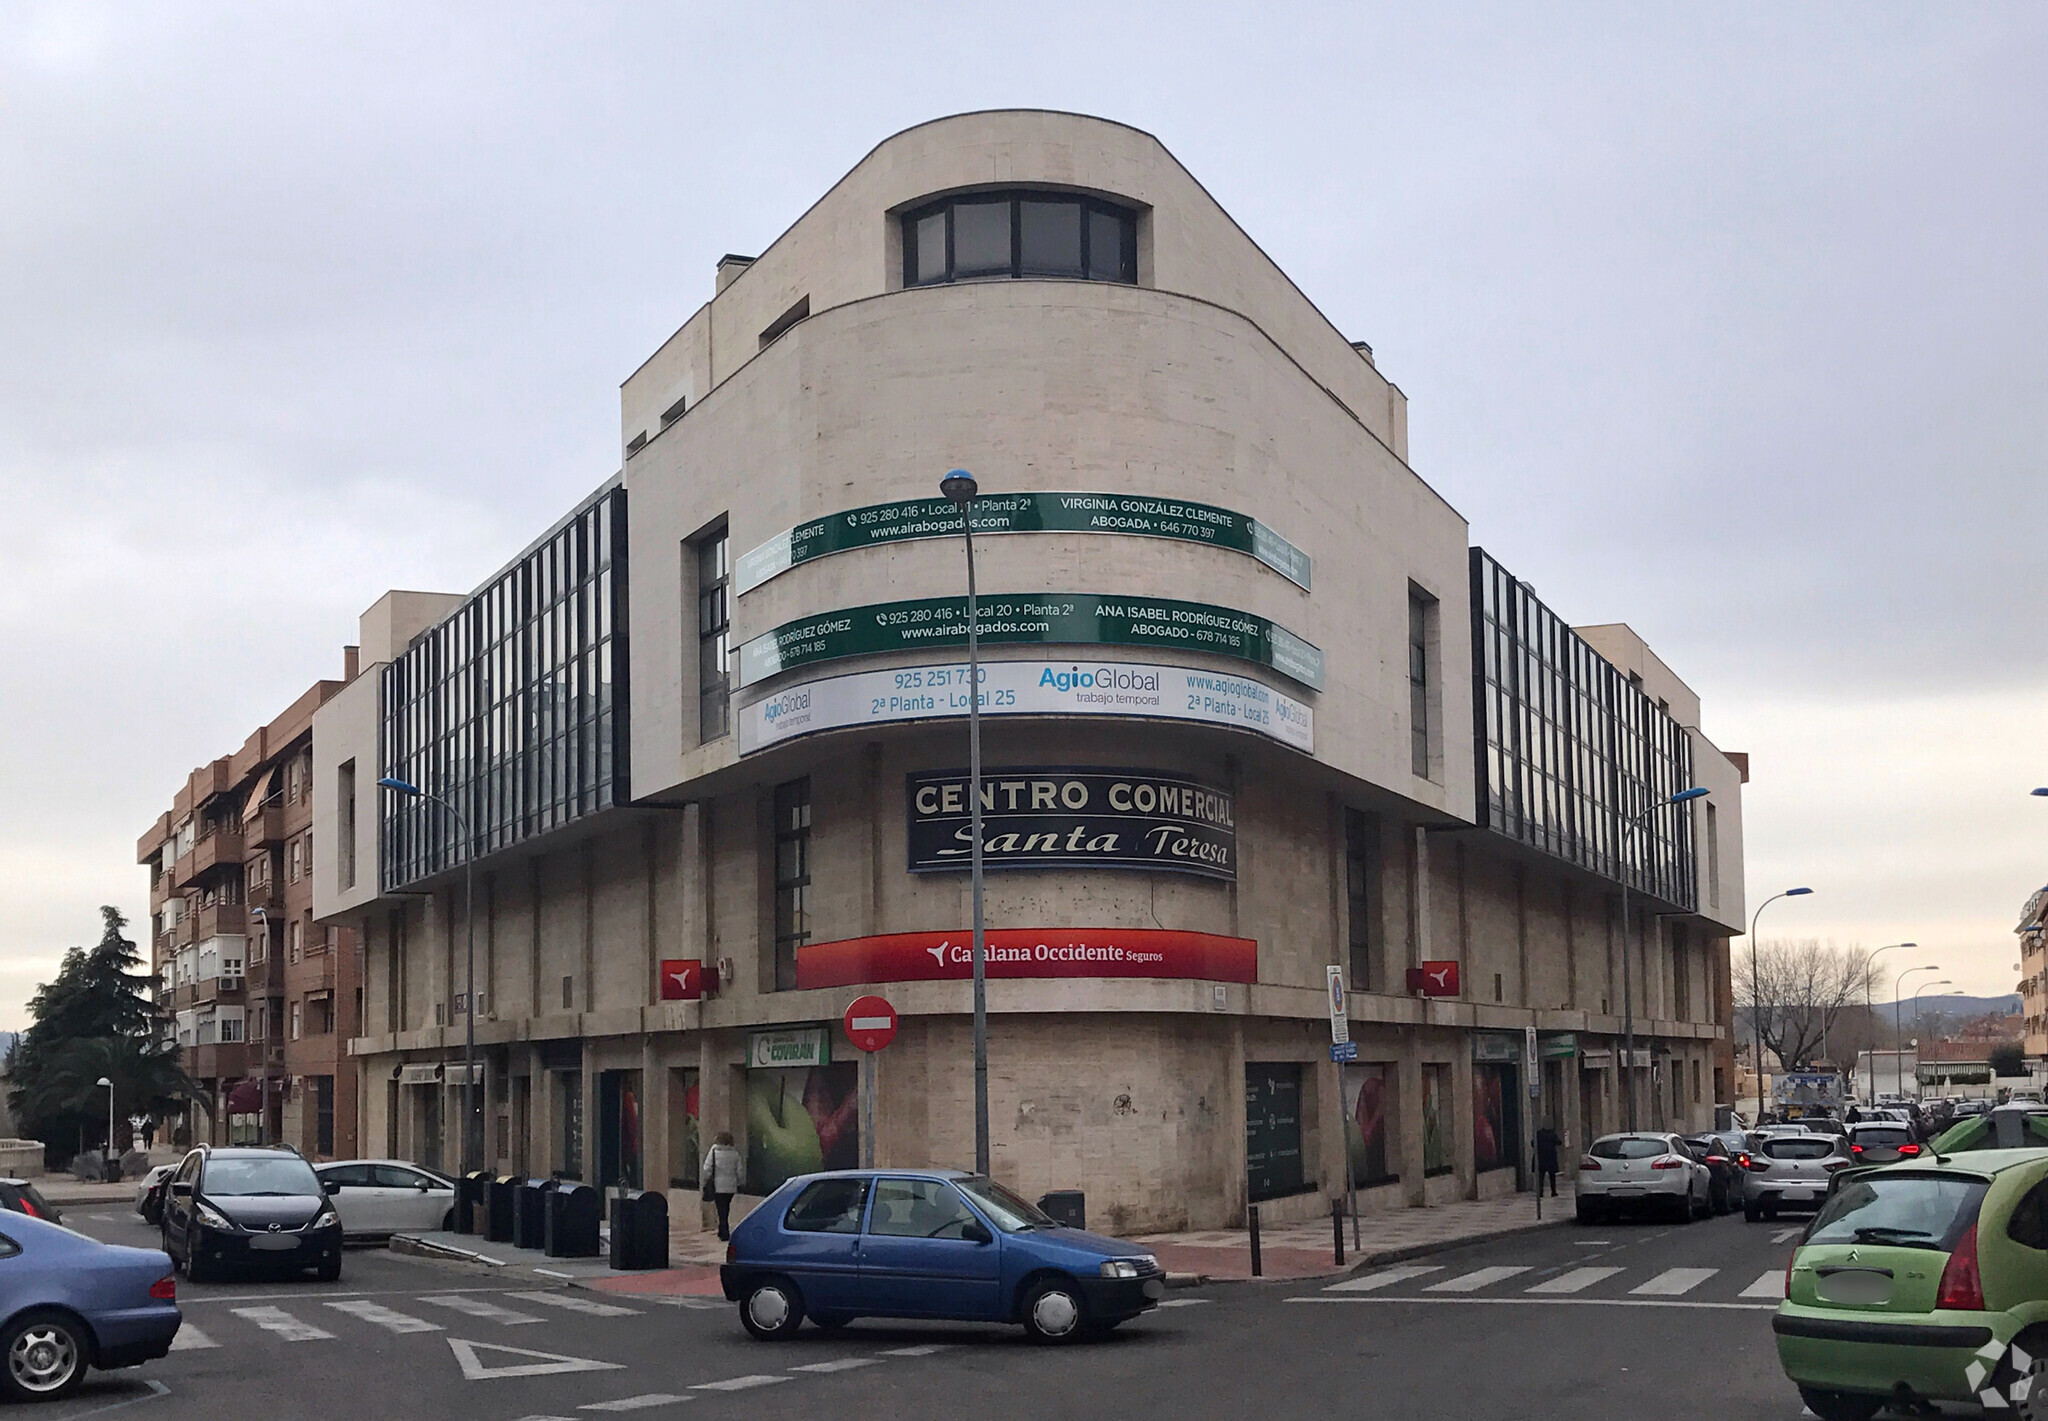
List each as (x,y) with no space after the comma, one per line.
(1072,817)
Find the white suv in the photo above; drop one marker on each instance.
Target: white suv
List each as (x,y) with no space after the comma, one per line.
(1642,1169)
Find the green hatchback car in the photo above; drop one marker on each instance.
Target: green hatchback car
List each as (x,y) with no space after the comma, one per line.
(1924,1281)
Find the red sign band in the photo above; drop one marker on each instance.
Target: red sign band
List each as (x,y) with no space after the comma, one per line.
(1029,952)
(682,979)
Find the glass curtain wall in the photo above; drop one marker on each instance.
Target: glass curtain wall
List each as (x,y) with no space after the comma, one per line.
(1567,746)
(513,709)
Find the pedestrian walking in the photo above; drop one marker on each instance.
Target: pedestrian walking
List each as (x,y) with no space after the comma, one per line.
(721,1176)
(1547,1142)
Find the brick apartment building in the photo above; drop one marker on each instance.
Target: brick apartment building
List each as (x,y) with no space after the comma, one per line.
(264,1002)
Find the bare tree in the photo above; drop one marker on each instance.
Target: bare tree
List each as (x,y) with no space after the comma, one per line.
(1799,991)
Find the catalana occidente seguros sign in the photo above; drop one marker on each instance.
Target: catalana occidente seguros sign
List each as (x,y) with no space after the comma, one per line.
(1040,618)
(1071,817)
(1140,689)
(913,518)
(1029,952)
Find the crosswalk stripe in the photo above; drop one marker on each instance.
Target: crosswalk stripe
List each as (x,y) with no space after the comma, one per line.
(191,1339)
(837,1364)
(571,1302)
(1184,1302)
(1475,1280)
(387,1318)
(1577,1280)
(635,1403)
(1768,1285)
(287,1327)
(1787,1235)
(471,1306)
(1385,1278)
(924,1349)
(739,1383)
(1673,1281)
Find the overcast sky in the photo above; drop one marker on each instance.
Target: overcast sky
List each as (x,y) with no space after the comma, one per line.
(1727,324)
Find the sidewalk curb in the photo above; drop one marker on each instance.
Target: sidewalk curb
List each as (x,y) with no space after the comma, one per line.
(421,1248)
(1382,1256)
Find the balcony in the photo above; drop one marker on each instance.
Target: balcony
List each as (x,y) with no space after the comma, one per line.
(208,990)
(227,919)
(314,974)
(221,1061)
(266,830)
(222,846)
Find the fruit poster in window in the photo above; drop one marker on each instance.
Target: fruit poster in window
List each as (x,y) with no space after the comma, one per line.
(800,1121)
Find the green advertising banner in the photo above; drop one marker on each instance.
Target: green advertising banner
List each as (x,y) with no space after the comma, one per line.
(1036,618)
(1022,513)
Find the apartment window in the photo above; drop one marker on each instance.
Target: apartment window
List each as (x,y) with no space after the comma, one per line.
(1695,1082)
(295,1021)
(308,865)
(292,862)
(291,782)
(230,1029)
(995,234)
(1421,608)
(714,635)
(792,877)
(1359,882)
(568,993)
(345,802)
(1713,856)
(294,944)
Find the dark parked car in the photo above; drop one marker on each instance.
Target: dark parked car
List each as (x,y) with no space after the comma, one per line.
(229,1206)
(1725,1190)
(927,1244)
(68,1302)
(22,1197)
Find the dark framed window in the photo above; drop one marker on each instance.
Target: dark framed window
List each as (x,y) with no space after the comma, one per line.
(1421,607)
(792,877)
(714,635)
(976,236)
(1360,881)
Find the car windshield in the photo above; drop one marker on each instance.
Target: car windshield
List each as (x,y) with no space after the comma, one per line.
(229,1178)
(1799,1147)
(1004,1209)
(1884,1135)
(1625,1147)
(1906,1210)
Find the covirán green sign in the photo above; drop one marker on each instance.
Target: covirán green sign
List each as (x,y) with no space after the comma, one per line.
(1038,618)
(1023,513)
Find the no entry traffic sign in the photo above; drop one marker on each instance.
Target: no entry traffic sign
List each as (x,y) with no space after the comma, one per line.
(870,1023)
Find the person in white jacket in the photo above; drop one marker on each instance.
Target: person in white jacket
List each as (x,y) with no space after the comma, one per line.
(721,1178)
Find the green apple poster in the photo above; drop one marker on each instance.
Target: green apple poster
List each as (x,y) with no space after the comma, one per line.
(800,1121)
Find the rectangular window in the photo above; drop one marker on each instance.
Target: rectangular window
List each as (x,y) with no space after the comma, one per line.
(792,877)
(296,1020)
(981,239)
(1360,881)
(295,945)
(1049,238)
(714,633)
(1695,1082)
(345,802)
(1436,1120)
(1036,233)
(292,862)
(1713,856)
(323,1115)
(1421,733)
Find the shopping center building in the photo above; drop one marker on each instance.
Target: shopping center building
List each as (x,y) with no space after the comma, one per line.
(1255,707)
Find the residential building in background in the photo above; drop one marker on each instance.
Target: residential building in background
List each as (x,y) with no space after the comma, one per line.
(2033,988)
(263,999)
(1257,709)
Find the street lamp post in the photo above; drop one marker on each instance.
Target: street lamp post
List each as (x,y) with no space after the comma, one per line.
(1756,992)
(1898,1045)
(263,1055)
(110,1117)
(1952,991)
(960,489)
(1628,1011)
(1869,958)
(472,1104)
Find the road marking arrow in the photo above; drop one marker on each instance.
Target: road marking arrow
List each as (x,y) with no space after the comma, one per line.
(540,1364)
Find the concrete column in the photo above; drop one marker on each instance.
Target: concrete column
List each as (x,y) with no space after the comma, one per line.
(1460,1122)
(543,1144)
(1235,1192)
(1407,1138)
(654,1087)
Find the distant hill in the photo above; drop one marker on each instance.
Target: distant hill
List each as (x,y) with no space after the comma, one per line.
(1953,1008)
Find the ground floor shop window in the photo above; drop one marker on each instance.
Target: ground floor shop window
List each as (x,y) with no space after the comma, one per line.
(569,1102)
(686,1152)
(323,1115)
(801,1120)
(1368,1120)
(618,1129)
(430,1125)
(1436,1115)
(1496,1119)
(1272,1129)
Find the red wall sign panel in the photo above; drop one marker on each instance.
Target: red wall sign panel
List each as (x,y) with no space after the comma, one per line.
(1029,952)
(682,979)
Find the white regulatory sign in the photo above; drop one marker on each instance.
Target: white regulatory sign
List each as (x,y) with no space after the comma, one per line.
(1037,687)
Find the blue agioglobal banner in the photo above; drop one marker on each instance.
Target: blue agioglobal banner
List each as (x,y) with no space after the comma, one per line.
(1033,618)
(912,518)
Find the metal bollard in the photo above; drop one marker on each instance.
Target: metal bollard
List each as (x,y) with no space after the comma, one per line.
(1252,1217)
(1337,1227)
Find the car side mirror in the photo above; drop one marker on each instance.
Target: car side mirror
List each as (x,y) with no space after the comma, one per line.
(975,1231)
(182,1189)
(330,1186)
(423,1186)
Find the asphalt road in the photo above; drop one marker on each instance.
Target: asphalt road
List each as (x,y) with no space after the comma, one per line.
(1668,1332)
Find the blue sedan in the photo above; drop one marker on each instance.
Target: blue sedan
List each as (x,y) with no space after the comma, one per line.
(927,1244)
(70,1302)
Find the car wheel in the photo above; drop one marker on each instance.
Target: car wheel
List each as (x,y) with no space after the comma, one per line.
(1751,1212)
(772,1309)
(46,1356)
(1685,1213)
(448,1222)
(1840,1405)
(1583,1211)
(1770,1213)
(1053,1313)
(330,1270)
(830,1321)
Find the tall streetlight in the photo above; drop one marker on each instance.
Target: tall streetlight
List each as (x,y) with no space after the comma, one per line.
(263,1058)
(1756,991)
(1952,991)
(1869,958)
(110,1120)
(960,489)
(1898,1043)
(472,1106)
(1628,1010)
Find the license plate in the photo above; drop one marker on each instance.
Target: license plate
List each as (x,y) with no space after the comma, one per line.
(1627,1189)
(1806,1194)
(1155,1289)
(273,1243)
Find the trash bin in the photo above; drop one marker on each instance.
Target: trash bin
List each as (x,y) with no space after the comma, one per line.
(472,1196)
(1066,1206)
(639,1230)
(504,1204)
(530,1213)
(571,1221)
